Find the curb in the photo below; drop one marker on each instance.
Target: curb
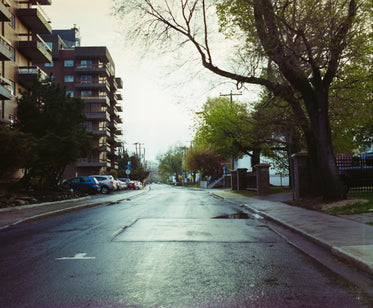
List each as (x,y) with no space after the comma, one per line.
(29,206)
(335,251)
(64,210)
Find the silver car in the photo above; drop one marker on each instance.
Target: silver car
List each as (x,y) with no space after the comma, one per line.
(107,183)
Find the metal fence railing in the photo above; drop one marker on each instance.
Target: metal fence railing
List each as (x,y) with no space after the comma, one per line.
(356,172)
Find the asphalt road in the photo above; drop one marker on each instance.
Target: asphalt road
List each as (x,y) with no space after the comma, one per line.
(164,248)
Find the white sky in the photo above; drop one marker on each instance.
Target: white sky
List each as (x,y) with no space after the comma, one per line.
(156,102)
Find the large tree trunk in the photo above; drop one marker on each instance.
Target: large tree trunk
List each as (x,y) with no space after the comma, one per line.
(324,178)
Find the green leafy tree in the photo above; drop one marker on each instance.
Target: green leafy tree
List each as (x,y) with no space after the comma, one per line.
(56,124)
(171,162)
(203,160)
(17,150)
(294,49)
(227,126)
(138,171)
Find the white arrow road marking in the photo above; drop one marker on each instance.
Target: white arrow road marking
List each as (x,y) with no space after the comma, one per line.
(78,256)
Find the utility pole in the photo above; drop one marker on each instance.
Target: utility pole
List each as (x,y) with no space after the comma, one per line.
(231,101)
(231,95)
(136,143)
(139,154)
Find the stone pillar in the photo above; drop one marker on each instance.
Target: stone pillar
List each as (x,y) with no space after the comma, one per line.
(234,179)
(300,175)
(241,178)
(262,179)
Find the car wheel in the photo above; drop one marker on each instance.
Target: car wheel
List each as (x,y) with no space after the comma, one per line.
(104,189)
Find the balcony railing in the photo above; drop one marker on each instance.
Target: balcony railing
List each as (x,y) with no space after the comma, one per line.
(119,82)
(119,108)
(87,84)
(85,162)
(33,47)
(100,132)
(119,96)
(5,14)
(41,2)
(98,116)
(102,99)
(28,74)
(100,69)
(6,50)
(5,93)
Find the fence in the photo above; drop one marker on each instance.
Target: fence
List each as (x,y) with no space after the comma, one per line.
(356,172)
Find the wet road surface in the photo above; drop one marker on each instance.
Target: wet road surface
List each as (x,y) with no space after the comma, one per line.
(170,247)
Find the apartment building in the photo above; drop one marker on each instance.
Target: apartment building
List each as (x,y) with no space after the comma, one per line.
(89,73)
(22,50)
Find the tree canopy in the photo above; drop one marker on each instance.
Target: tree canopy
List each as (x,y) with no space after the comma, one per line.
(203,160)
(295,49)
(171,162)
(225,126)
(55,123)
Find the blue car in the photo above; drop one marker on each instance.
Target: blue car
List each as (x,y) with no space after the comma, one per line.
(84,184)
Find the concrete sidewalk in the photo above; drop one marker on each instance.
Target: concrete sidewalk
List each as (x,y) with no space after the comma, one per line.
(347,239)
(19,214)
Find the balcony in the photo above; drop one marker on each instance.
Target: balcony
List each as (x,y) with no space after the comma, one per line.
(34,48)
(119,82)
(98,116)
(35,19)
(103,100)
(112,125)
(6,50)
(5,93)
(101,70)
(118,119)
(28,74)
(113,111)
(99,132)
(5,14)
(119,96)
(119,108)
(41,2)
(91,163)
(88,85)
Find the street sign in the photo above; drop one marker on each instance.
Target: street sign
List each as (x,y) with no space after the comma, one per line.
(128,171)
(128,166)
(223,163)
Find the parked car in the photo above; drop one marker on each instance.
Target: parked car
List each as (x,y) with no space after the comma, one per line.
(126,181)
(120,184)
(130,184)
(138,184)
(86,184)
(107,183)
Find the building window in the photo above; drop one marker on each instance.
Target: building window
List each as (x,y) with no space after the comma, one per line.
(49,64)
(69,78)
(69,63)
(86,79)
(86,63)
(70,93)
(86,93)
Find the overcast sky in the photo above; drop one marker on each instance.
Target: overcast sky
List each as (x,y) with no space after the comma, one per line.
(157,101)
